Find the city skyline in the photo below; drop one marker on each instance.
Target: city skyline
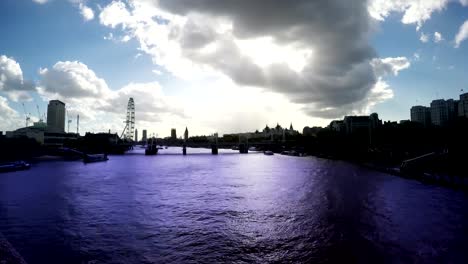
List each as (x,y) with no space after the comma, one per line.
(209,68)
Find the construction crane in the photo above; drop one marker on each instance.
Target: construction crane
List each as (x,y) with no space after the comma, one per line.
(41,117)
(27,116)
(69,121)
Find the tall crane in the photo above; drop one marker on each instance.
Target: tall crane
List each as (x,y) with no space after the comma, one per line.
(41,117)
(27,116)
(68,121)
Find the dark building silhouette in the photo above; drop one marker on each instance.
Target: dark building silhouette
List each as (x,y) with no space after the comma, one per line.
(173,134)
(421,114)
(56,116)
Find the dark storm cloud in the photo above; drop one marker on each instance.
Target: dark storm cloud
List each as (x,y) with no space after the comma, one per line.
(338,74)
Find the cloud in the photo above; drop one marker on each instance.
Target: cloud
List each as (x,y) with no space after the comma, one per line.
(11,80)
(438,37)
(414,11)
(290,48)
(9,118)
(424,38)
(72,79)
(386,66)
(86,12)
(103,108)
(464,2)
(41,1)
(462,34)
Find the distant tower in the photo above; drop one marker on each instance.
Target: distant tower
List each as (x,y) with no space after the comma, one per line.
(186,134)
(77,124)
(56,116)
(136,135)
(173,134)
(144,138)
(130,121)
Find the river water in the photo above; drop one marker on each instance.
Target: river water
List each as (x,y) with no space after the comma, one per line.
(236,208)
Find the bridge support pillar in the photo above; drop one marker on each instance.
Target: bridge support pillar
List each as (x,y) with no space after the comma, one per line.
(184,150)
(214,149)
(243,149)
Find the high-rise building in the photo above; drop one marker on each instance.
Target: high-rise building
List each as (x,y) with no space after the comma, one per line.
(56,116)
(443,111)
(439,112)
(173,134)
(463,105)
(421,114)
(136,135)
(186,134)
(144,138)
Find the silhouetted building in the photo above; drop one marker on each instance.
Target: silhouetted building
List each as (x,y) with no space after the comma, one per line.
(56,116)
(144,138)
(173,134)
(337,125)
(439,112)
(421,114)
(463,105)
(310,131)
(374,120)
(186,134)
(443,111)
(354,124)
(136,135)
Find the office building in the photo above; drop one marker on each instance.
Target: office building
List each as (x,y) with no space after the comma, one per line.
(173,134)
(355,124)
(136,135)
(421,114)
(443,111)
(463,105)
(144,138)
(56,116)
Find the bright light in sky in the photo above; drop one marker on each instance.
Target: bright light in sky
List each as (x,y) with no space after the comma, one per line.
(265,52)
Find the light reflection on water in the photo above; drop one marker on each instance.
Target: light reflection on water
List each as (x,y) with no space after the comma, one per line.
(227,208)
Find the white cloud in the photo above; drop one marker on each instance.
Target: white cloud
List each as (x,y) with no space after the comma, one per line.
(100,107)
(40,1)
(464,2)
(414,11)
(416,56)
(72,79)
(11,80)
(86,12)
(386,66)
(279,52)
(462,34)
(424,38)
(9,118)
(438,37)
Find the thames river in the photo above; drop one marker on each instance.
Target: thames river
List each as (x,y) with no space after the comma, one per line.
(202,208)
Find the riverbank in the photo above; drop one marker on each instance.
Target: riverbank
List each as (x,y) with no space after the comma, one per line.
(8,254)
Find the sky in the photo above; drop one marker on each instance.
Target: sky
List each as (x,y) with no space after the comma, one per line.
(228,66)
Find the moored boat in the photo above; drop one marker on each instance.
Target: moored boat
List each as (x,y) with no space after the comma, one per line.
(268,152)
(14,166)
(95,158)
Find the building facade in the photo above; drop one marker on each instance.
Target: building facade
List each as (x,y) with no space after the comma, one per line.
(463,105)
(421,114)
(173,134)
(443,111)
(144,138)
(56,116)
